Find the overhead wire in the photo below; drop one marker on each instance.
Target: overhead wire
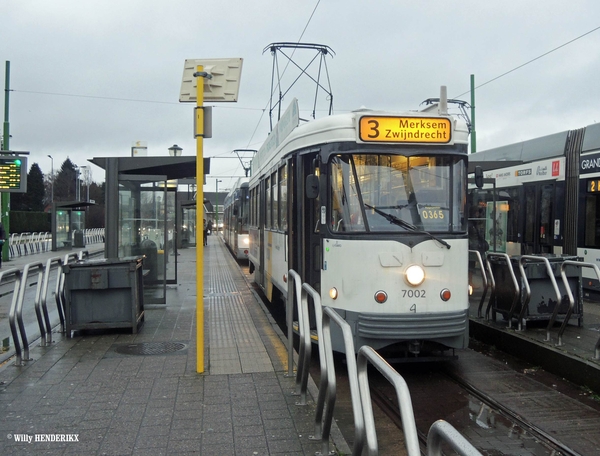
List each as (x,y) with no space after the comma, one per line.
(530,61)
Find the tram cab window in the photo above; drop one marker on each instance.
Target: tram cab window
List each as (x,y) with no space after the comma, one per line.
(370,192)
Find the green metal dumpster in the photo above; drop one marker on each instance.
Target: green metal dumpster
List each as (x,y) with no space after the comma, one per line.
(105,293)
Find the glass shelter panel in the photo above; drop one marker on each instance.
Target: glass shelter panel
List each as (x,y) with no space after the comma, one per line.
(143,230)
(63,228)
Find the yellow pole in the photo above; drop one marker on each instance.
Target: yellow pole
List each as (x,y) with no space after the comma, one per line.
(199,221)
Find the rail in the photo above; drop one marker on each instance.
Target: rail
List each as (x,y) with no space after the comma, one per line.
(39,266)
(483,280)
(513,305)
(550,272)
(12,314)
(15,317)
(30,243)
(362,408)
(367,354)
(294,286)
(327,384)
(359,420)
(571,302)
(442,431)
(60,289)
(46,334)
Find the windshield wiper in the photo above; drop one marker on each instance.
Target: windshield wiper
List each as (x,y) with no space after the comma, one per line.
(409,226)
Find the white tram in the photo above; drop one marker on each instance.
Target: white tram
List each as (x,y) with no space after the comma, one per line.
(235,219)
(369,208)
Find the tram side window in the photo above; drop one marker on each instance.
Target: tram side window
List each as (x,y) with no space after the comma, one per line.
(275,200)
(592,221)
(268,205)
(283,198)
(252,207)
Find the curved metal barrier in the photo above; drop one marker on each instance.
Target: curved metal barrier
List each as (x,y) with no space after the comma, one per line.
(12,314)
(505,257)
(15,316)
(484,280)
(46,334)
(550,272)
(367,354)
(20,244)
(442,431)
(362,409)
(294,285)
(327,384)
(39,266)
(60,289)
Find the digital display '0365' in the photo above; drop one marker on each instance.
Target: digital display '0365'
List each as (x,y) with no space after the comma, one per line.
(437,130)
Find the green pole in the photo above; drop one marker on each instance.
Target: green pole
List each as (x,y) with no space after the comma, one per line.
(473,133)
(6,146)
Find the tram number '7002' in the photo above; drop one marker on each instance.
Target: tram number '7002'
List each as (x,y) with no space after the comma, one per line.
(413,293)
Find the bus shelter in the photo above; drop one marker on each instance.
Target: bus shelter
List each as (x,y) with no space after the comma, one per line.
(68,224)
(141,215)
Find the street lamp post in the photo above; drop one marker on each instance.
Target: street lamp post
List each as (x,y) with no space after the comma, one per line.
(175,150)
(51,178)
(217,204)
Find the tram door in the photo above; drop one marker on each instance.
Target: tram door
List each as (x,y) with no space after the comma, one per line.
(305,227)
(539,218)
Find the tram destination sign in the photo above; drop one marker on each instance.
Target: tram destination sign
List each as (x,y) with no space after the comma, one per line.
(13,174)
(428,130)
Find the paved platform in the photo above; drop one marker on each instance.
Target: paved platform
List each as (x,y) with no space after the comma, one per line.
(84,396)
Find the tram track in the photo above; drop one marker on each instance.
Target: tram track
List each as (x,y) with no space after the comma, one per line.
(486,416)
(494,422)
(384,397)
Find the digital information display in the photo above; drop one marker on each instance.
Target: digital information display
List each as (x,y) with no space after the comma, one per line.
(13,174)
(427,130)
(593,185)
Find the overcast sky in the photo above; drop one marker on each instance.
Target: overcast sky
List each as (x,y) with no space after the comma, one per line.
(89,78)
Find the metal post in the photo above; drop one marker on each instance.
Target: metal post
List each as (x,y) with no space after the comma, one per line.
(199,222)
(51,178)
(217,205)
(473,134)
(6,146)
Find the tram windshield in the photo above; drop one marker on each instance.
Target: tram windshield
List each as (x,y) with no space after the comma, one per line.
(383,193)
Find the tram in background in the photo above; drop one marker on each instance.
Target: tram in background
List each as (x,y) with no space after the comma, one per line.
(548,197)
(368,208)
(235,219)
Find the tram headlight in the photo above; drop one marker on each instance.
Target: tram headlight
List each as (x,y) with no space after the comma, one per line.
(333,293)
(415,275)
(247,241)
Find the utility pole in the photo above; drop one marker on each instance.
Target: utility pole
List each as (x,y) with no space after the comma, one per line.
(5,206)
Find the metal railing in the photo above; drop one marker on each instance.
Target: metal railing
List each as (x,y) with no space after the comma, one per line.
(21,244)
(484,279)
(513,306)
(12,314)
(367,354)
(525,305)
(364,426)
(15,317)
(442,431)
(46,333)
